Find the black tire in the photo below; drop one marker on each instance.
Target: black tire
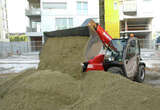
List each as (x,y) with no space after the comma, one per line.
(84,67)
(115,70)
(141,74)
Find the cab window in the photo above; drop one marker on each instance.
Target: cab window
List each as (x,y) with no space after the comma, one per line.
(131,50)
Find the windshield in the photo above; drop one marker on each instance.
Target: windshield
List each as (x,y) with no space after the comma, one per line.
(119,44)
(111,55)
(95,47)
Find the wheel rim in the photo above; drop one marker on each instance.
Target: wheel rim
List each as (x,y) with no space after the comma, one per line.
(142,74)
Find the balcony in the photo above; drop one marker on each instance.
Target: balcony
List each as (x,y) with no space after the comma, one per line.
(33,32)
(33,29)
(33,12)
(130,7)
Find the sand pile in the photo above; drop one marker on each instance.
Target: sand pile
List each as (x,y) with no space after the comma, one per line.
(59,89)
(48,90)
(63,54)
(41,90)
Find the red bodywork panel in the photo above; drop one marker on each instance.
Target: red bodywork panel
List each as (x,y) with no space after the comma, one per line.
(104,36)
(97,62)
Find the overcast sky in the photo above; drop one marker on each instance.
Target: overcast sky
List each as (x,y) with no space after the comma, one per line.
(16,16)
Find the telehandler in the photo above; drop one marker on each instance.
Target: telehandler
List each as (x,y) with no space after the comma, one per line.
(119,56)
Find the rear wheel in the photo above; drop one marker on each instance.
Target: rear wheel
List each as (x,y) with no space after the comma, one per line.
(141,74)
(115,70)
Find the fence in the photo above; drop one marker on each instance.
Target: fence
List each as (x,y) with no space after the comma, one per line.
(147,44)
(12,48)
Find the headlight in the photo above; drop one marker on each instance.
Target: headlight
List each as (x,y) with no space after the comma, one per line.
(111,58)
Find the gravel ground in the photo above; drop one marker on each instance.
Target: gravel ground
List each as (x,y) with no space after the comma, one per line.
(152,78)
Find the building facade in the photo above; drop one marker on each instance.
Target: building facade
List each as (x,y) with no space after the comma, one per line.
(136,17)
(3,21)
(50,15)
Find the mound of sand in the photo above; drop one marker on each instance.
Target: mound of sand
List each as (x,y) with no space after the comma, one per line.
(57,89)
(41,90)
(53,90)
(63,54)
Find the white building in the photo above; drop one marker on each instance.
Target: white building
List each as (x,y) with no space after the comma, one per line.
(50,15)
(67,13)
(156,20)
(3,21)
(136,17)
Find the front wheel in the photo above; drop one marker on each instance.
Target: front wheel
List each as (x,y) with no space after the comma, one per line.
(141,74)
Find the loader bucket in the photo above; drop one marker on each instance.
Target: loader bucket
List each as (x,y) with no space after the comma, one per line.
(94,44)
(77,31)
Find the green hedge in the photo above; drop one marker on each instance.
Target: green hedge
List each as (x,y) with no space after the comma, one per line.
(18,38)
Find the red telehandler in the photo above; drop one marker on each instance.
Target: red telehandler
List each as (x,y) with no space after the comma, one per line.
(120,56)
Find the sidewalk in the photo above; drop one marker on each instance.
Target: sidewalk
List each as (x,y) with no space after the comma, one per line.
(18,63)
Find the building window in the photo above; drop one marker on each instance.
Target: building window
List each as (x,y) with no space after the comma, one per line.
(95,20)
(36,27)
(64,23)
(82,8)
(147,0)
(54,5)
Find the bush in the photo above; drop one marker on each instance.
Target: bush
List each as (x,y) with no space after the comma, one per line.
(18,38)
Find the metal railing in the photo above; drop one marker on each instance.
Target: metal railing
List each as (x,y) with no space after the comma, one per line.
(29,29)
(33,12)
(18,48)
(147,44)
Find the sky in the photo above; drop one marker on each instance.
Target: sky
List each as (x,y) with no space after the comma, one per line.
(16,16)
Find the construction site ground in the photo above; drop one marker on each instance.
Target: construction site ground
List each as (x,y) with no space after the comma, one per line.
(19,63)
(59,84)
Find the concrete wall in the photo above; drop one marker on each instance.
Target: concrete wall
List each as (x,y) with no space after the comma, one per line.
(145,8)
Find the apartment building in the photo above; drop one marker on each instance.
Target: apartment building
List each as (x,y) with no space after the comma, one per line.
(50,15)
(136,17)
(3,22)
